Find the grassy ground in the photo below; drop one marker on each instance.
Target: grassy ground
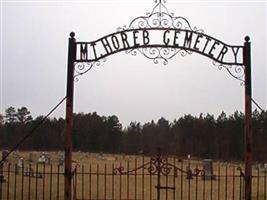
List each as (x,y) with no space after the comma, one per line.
(95,179)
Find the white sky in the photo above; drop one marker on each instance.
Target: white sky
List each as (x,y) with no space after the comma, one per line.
(34,37)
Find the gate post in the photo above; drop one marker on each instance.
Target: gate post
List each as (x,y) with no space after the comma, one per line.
(248,121)
(69,118)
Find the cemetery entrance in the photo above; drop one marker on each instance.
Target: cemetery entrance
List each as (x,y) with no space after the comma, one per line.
(158,36)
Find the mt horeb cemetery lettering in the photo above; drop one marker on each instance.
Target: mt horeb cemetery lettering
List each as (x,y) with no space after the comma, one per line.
(165,38)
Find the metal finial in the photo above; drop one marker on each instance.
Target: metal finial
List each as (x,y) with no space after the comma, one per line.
(247,38)
(72,34)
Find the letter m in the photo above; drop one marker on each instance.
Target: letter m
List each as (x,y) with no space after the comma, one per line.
(83,52)
(188,39)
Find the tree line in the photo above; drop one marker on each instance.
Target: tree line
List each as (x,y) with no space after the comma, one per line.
(203,136)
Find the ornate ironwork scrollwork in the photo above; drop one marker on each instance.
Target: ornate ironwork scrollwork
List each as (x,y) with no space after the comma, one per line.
(236,71)
(159,165)
(159,17)
(83,67)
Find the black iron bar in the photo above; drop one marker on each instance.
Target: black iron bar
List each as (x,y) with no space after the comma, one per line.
(167,180)
(258,182)
(90,181)
(219,180)
(128,168)
(204,187)
(82,181)
(22,181)
(36,182)
(264,184)
(211,187)
(120,182)
(97,181)
(226,175)
(29,184)
(105,181)
(182,180)
(50,182)
(174,173)
(197,184)
(15,183)
(44,181)
(135,179)
(150,182)
(112,185)
(8,180)
(240,186)
(233,182)
(58,171)
(143,178)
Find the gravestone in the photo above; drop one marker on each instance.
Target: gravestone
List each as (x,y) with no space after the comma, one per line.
(44,158)
(208,170)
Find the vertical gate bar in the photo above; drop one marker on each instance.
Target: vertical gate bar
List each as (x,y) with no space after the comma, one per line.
(97,181)
(44,181)
(240,186)
(167,180)
(1,183)
(158,173)
(15,184)
(105,182)
(219,179)
(197,183)
(90,181)
(135,179)
(69,118)
(36,182)
(150,182)
(82,181)
(264,184)
(51,182)
(128,179)
(204,186)
(211,187)
(58,170)
(182,180)
(233,182)
(226,175)
(143,178)
(174,173)
(120,182)
(258,182)
(29,185)
(189,186)
(8,179)
(248,120)
(22,181)
(112,184)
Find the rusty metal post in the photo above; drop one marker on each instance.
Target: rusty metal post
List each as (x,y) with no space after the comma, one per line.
(248,121)
(69,118)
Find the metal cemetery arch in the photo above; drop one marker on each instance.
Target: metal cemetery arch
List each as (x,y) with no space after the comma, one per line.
(159,36)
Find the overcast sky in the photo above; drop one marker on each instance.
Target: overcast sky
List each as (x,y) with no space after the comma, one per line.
(34,36)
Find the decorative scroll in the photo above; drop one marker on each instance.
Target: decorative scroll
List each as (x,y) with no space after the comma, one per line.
(159,165)
(83,67)
(236,71)
(160,18)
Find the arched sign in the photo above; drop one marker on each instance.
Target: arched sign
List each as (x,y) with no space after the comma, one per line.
(159,36)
